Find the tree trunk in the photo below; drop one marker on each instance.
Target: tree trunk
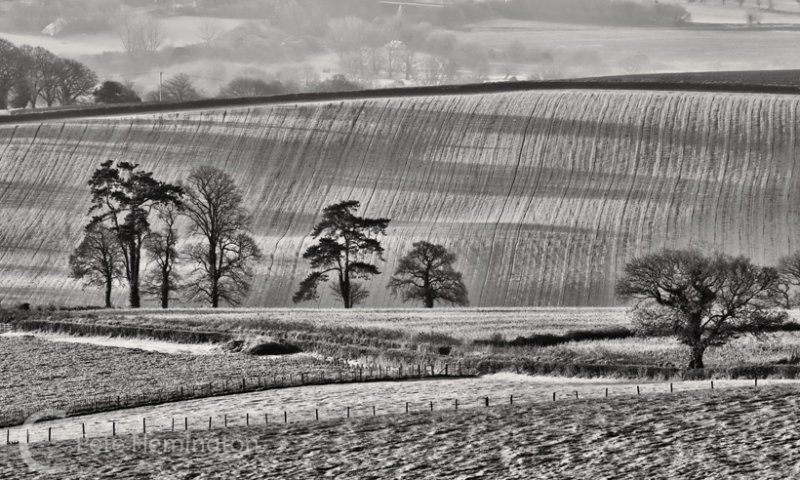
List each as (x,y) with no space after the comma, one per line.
(344,287)
(133,273)
(164,289)
(133,295)
(108,292)
(429,293)
(696,360)
(212,262)
(429,300)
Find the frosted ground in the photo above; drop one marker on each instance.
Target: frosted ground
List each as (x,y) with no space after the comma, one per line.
(725,434)
(331,402)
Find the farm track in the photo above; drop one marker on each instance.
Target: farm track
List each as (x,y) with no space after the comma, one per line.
(542,192)
(740,433)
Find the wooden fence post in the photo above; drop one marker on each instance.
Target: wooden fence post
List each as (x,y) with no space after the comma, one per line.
(348,412)
(266,419)
(373,411)
(554,396)
(113,429)
(606,392)
(285,417)
(456,404)
(225,420)
(173,424)
(670,387)
(637,390)
(83,430)
(144,425)
(511,400)
(486,399)
(49,434)
(185,423)
(209,423)
(316,413)
(406,407)
(247,419)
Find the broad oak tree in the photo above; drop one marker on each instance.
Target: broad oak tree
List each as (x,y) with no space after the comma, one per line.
(345,241)
(705,300)
(226,253)
(97,260)
(122,199)
(426,273)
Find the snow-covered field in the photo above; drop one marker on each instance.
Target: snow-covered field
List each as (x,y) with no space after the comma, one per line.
(129,343)
(725,434)
(332,401)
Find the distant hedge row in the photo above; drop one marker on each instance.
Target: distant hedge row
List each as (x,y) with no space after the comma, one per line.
(467,89)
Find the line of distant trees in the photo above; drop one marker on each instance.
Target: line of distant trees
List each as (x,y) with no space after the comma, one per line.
(136,224)
(34,76)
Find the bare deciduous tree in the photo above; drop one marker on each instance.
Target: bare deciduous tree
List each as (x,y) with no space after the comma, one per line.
(11,69)
(180,88)
(226,254)
(209,32)
(785,291)
(140,33)
(97,260)
(42,75)
(426,273)
(706,300)
(74,80)
(162,279)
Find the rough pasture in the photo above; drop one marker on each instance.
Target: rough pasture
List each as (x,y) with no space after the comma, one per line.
(44,374)
(543,195)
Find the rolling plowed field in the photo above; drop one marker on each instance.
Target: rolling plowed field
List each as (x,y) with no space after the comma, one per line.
(542,194)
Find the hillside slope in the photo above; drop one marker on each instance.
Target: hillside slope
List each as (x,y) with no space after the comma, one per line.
(542,194)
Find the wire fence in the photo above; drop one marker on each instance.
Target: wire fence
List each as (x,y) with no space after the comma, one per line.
(355,374)
(144,425)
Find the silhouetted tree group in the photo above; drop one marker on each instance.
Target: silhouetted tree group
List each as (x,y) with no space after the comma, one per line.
(121,234)
(135,224)
(346,243)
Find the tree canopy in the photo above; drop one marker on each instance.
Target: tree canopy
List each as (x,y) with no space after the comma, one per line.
(705,300)
(426,273)
(97,260)
(122,199)
(345,241)
(226,253)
